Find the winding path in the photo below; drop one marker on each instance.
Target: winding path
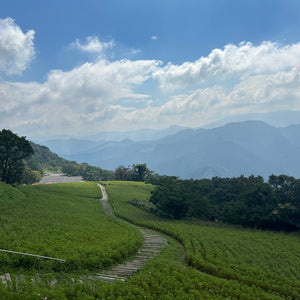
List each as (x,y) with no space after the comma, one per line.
(152,245)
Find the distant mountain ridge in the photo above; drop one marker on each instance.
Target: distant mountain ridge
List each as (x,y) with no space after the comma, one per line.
(283,118)
(240,148)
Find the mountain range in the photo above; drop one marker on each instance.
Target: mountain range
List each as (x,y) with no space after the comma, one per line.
(239,148)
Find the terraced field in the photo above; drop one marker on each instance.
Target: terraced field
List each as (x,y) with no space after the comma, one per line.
(152,244)
(265,261)
(199,261)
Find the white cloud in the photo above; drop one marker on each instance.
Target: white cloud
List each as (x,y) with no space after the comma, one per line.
(154,37)
(111,95)
(231,62)
(102,81)
(16,48)
(259,93)
(83,99)
(92,45)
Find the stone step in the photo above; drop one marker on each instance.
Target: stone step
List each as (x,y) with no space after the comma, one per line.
(153,250)
(107,278)
(119,273)
(123,267)
(159,245)
(135,264)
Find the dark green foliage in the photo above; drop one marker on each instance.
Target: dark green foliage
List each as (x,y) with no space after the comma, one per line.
(243,201)
(138,172)
(89,173)
(31,176)
(44,159)
(13,149)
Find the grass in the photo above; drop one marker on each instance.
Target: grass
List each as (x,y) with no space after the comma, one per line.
(65,221)
(267,261)
(221,262)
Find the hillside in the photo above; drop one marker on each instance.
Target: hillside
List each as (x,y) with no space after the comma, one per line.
(251,147)
(44,159)
(201,260)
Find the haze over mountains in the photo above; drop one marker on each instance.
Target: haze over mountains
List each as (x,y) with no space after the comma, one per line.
(250,147)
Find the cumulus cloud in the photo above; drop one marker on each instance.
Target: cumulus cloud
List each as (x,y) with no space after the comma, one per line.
(92,45)
(259,93)
(102,81)
(82,99)
(110,95)
(233,61)
(16,47)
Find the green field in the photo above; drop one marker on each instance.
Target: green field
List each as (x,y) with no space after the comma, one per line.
(201,261)
(267,261)
(64,221)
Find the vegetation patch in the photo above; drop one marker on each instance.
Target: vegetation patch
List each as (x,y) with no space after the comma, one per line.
(64,221)
(221,261)
(263,260)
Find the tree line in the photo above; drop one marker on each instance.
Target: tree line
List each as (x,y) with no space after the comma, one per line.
(246,201)
(136,172)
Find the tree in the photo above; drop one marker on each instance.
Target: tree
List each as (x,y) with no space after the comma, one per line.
(13,149)
(140,172)
(169,198)
(30,176)
(123,173)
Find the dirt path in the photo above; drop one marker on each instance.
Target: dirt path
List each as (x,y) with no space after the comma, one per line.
(152,245)
(104,200)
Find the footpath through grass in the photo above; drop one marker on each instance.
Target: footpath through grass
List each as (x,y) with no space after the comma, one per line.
(67,221)
(248,262)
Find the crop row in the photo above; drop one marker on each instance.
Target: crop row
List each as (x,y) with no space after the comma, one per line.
(66,221)
(219,257)
(267,260)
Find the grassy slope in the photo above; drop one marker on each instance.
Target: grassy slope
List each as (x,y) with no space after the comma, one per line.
(65,221)
(269,261)
(164,277)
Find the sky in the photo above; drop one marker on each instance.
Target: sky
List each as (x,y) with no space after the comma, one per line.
(76,68)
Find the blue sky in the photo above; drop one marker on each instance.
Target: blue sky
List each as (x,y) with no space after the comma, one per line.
(81,67)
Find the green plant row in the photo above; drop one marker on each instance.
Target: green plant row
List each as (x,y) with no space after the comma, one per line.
(263,260)
(65,221)
(208,247)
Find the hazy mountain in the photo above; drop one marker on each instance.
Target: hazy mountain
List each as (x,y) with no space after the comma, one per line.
(69,146)
(277,118)
(136,135)
(251,147)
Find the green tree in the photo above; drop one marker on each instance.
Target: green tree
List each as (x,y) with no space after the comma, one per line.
(13,149)
(140,172)
(123,173)
(30,176)
(169,198)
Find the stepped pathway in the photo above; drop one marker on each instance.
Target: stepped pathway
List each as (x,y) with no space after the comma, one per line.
(153,244)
